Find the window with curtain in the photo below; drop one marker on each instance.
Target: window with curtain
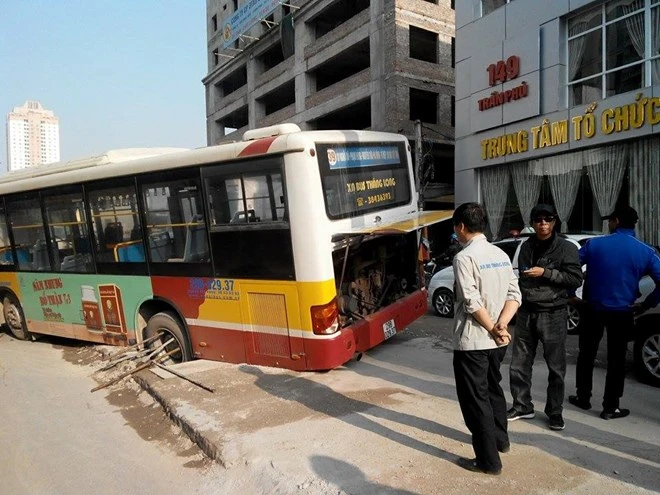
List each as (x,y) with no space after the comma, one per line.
(606,167)
(612,49)
(581,185)
(494,189)
(644,186)
(564,176)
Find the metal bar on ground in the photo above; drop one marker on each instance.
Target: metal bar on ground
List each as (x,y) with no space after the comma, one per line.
(184,377)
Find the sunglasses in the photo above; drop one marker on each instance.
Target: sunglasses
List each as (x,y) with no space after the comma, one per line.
(544,219)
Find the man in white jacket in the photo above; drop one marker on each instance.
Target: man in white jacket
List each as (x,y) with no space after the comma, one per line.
(487,298)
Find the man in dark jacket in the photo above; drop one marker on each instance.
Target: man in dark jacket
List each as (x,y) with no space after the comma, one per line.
(615,265)
(549,268)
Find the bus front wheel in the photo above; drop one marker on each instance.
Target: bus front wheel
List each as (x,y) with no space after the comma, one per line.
(13,314)
(167,325)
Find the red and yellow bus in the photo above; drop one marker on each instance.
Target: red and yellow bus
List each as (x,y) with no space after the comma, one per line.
(290,249)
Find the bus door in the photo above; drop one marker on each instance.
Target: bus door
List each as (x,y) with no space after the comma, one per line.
(271,319)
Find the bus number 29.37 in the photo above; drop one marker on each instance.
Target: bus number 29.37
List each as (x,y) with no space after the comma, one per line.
(222,284)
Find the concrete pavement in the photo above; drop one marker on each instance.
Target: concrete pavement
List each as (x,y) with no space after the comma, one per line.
(391,424)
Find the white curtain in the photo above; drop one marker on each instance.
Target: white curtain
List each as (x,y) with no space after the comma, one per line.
(606,167)
(495,187)
(527,185)
(635,25)
(644,159)
(564,173)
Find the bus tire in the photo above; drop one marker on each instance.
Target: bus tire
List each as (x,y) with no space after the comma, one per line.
(14,318)
(169,326)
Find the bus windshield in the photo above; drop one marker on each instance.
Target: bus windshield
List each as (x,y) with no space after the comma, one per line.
(359,178)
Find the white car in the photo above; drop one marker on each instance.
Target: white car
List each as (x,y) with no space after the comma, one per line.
(646,350)
(441,286)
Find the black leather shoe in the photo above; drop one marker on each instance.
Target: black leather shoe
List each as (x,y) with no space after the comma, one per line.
(471,465)
(578,402)
(615,413)
(504,448)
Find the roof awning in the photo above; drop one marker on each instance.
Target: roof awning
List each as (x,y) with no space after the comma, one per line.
(414,222)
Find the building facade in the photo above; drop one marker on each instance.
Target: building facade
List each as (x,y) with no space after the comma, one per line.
(559,101)
(33,136)
(340,64)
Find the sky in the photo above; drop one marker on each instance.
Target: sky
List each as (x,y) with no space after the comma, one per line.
(117,73)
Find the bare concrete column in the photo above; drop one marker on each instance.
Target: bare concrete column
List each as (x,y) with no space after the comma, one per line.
(253,110)
(377,51)
(305,83)
(211,127)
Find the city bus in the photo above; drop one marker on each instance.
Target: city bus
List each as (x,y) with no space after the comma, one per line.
(289,249)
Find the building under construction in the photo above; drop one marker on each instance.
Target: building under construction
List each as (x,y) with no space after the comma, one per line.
(335,64)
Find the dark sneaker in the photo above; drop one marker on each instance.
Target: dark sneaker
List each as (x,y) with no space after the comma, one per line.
(512,415)
(471,465)
(578,402)
(557,422)
(614,413)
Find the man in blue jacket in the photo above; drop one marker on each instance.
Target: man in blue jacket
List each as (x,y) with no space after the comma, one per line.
(615,265)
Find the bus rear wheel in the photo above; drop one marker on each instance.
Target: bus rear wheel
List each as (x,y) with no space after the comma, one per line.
(13,314)
(167,325)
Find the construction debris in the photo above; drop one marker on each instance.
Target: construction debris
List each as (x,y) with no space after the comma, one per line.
(125,350)
(139,367)
(141,356)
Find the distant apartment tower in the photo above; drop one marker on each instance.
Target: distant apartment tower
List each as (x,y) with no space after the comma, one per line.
(341,64)
(33,136)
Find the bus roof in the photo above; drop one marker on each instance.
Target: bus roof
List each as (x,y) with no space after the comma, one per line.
(272,140)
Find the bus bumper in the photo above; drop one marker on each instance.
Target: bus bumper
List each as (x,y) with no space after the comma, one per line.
(325,354)
(371,331)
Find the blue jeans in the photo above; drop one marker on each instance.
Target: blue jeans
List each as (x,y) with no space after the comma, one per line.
(550,329)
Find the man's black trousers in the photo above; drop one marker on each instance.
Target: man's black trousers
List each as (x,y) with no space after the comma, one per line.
(482,402)
(620,328)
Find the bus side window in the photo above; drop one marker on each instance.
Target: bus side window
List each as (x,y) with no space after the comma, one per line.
(116,224)
(25,218)
(175,223)
(6,253)
(69,237)
(247,198)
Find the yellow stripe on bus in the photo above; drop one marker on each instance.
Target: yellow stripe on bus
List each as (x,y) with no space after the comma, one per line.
(251,303)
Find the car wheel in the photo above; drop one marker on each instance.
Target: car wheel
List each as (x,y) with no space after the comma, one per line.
(443,303)
(647,356)
(574,320)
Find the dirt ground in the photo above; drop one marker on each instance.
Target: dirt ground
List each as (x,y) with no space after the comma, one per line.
(140,411)
(389,424)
